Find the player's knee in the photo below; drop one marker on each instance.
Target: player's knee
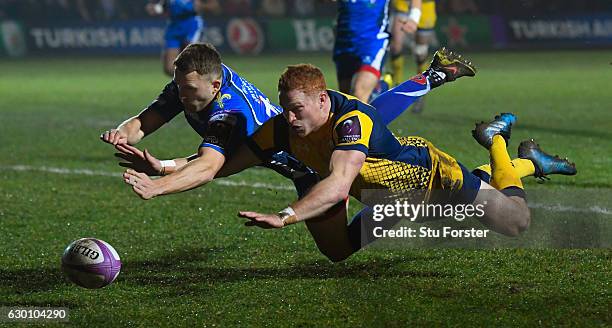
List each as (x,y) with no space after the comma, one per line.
(520,219)
(421,51)
(523,219)
(336,256)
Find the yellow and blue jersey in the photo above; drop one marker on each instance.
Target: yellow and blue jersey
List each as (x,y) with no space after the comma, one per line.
(428,12)
(394,164)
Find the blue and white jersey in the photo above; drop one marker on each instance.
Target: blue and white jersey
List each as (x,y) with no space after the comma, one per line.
(234,115)
(359,22)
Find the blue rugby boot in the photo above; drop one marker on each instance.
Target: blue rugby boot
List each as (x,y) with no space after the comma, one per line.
(502,125)
(447,66)
(545,163)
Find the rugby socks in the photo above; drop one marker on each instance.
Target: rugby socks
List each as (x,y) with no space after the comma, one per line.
(503,174)
(422,67)
(522,167)
(397,68)
(394,102)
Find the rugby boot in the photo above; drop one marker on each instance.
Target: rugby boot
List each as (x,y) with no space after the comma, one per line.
(502,125)
(544,163)
(447,66)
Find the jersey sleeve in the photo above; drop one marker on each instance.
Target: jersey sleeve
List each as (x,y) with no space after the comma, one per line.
(352,131)
(168,103)
(224,132)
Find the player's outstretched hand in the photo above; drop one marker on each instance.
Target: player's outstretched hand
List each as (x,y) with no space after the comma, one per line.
(265,221)
(114,137)
(138,160)
(141,183)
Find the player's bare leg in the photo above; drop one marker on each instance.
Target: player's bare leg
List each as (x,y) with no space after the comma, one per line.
(421,51)
(397,45)
(363,83)
(168,57)
(330,233)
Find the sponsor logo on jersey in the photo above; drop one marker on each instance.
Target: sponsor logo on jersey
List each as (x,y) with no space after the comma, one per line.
(349,130)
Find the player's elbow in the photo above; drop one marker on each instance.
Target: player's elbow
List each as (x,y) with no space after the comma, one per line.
(206,175)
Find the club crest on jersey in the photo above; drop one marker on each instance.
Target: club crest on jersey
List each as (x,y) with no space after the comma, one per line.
(349,130)
(221,97)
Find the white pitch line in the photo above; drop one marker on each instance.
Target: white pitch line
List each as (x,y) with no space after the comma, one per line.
(260,185)
(58,170)
(562,208)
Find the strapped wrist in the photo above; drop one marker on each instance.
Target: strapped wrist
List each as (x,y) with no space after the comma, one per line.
(165,164)
(415,14)
(288,216)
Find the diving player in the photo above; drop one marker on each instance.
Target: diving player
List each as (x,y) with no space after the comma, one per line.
(142,164)
(222,107)
(361,45)
(416,17)
(185,25)
(347,143)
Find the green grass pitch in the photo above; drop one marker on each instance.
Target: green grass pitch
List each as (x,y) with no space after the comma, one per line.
(187,258)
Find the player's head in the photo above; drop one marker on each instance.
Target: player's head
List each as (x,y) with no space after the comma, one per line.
(197,73)
(303,96)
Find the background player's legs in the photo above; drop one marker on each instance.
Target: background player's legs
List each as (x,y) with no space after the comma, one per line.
(344,85)
(397,46)
(347,65)
(364,81)
(168,57)
(422,40)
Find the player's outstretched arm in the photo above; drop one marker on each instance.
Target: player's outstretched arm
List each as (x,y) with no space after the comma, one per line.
(191,175)
(144,162)
(344,167)
(132,130)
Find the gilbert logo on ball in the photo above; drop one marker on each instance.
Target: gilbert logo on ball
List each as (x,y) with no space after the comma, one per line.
(91,263)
